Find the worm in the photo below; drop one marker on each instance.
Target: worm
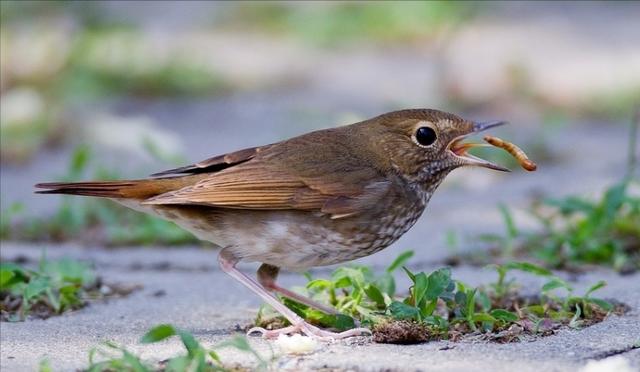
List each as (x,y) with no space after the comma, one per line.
(514,150)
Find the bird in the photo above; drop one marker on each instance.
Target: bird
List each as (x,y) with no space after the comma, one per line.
(322,198)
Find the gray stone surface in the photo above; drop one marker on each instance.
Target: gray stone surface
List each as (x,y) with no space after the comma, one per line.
(203,300)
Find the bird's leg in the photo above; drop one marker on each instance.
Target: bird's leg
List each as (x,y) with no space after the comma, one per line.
(267,275)
(228,264)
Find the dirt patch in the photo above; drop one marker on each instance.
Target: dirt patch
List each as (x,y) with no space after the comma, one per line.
(12,306)
(411,332)
(401,332)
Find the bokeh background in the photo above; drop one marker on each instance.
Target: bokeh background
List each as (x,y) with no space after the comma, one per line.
(123,89)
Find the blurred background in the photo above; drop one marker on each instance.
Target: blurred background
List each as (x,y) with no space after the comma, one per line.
(99,89)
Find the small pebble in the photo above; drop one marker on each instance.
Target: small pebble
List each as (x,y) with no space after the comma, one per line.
(616,363)
(296,344)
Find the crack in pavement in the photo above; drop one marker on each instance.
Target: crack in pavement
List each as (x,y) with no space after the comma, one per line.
(613,352)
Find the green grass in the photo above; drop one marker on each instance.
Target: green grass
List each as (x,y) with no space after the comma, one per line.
(91,220)
(440,307)
(335,24)
(56,286)
(114,61)
(575,231)
(112,357)
(579,230)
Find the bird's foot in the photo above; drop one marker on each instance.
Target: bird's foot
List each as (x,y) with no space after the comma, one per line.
(310,331)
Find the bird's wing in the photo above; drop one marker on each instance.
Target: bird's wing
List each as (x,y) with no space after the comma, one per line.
(216,163)
(307,182)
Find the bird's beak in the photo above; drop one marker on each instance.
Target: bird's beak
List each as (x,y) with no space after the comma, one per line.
(459,149)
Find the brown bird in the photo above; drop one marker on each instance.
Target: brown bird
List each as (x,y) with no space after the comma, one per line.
(321,198)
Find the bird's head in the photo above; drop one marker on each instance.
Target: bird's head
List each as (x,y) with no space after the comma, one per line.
(427,144)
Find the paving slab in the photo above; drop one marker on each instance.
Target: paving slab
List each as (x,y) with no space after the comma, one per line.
(203,300)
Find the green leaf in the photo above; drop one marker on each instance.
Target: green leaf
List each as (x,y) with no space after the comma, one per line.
(354,276)
(420,288)
(375,295)
(387,284)
(35,287)
(595,287)
(429,308)
(504,315)
(133,362)
(400,261)
(554,284)
(529,268)
(614,198)
(55,303)
(9,266)
(403,311)
(319,284)
(471,302)
(512,230)
(213,355)
(438,282)
(5,277)
(342,322)
(460,298)
(178,364)
(158,333)
(483,317)
(571,205)
(409,273)
(69,270)
(484,301)
(342,282)
(69,295)
(189,342)
(604,305)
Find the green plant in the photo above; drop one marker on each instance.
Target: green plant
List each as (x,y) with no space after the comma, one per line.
(112,357)
(579,230)
(335,24)
(55,287)
(115,358)
(502,286)
(354,291)
(442,307)
(576,230)
(492,308)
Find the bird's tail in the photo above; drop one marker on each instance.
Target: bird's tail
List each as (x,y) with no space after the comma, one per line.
(127,189)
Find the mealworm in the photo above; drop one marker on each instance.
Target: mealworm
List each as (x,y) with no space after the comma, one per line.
(514,150)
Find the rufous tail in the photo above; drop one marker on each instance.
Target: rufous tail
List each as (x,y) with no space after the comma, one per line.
(129,189)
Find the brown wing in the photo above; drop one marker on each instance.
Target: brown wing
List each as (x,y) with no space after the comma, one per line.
(216,163)
(307,181)
(253,186)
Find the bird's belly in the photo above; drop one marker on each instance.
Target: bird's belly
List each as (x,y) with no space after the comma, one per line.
(293,239)
(299,240)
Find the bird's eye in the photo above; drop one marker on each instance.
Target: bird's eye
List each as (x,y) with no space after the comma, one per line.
(426,136)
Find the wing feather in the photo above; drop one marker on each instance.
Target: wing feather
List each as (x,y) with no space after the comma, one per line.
(216,163)
(258,179)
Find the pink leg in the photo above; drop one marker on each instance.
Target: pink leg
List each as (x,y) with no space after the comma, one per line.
(228,262)
(267,275)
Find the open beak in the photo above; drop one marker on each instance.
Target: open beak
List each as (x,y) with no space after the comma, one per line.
(459,149)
